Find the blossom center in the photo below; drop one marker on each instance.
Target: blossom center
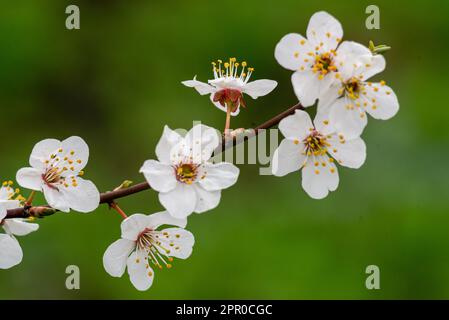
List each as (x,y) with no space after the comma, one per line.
(148,241)
(231,98)
(186,172)
(352,88)
(324,63)
(316,144)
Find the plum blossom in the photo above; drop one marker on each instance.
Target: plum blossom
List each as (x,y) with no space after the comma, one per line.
(315,148)
(316,59)
(10,251)
(56,170)
(230,83)
(352,96)
(186,181)
(142,246)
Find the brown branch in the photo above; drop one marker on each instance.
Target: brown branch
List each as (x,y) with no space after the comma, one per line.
(109,196)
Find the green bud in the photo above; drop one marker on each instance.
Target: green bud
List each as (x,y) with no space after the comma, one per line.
(125,184)
(379,49)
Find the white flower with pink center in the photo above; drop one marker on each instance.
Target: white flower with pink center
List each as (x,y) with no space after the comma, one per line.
(184,177)
(352,97)
(56,170)
(315,148)
(142,247)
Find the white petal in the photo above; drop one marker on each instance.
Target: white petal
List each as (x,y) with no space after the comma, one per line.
(308,87)
(328,97)
(287,158)
(30,178)
(324,29)
(291,51)
(323,124)
(201,87)
(42,151)
(169,139)
(348,153)
(178,241)
(18,227)
(180,202)
(318,180)
(373,65)
(219,106)
(55,199)
(356,60)
(296,126)
(347,118)
(164,218)
(85,197)
(218,176)
(116,255)
(259,88)
(77,150)
(10,252)
(206,200)
(160,176)
(133,225)
(140,273)
(381,104)
(198,144)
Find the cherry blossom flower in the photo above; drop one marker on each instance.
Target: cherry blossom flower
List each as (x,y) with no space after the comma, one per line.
(315,148)
(56,170)
(142,246)
(186,181)
(10,251)
(315,60)
(351,97)
(230,83)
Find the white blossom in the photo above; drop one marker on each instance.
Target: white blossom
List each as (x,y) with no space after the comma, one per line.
(56,170)
(142,246)
(316,59)
(10,251)
(186,181)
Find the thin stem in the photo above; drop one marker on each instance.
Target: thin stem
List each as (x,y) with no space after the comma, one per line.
(228,120)
(110,196)
(115,206)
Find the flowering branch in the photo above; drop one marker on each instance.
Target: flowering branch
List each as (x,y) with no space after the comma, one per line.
(110,196)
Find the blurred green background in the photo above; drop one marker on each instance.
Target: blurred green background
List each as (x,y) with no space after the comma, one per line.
(116,83)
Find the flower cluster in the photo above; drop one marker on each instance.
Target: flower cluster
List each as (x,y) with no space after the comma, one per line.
(335,73)
(326,70)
